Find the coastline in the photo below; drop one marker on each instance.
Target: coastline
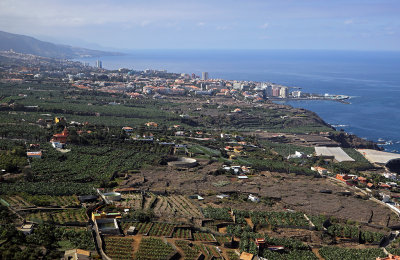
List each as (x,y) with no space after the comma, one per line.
(310,99)
(370,79)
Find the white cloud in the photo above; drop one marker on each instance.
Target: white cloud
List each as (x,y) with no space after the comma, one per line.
(389,31)
(44,14)
(200,24)
(144,23)
(264,26)
(348,21)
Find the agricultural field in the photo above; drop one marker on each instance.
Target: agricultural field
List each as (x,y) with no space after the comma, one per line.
(14,201)
(102,155)
(342,230)
(162,229)
(204,237)
(210,225)
(393,251)
(204,150)
(119,248)
(84,167)
(354,232)
(163,207)
(232,255)
(279,219)
(286,149)
(214,252)
(149,201)
(173,205)
(142,228)
(154,249)
(292,255)
(222,239)
(184,233)
(26,200)
(333,253)
(60,217)
(134,201)
(217,213)
(184,207)
(190,251)
(210,252)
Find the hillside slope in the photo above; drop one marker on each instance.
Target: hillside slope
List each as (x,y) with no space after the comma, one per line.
(30,45)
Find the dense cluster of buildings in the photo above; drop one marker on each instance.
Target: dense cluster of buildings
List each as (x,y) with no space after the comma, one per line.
(138,84)
(159,84)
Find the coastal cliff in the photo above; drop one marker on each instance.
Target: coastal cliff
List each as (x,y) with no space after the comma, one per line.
(352,141)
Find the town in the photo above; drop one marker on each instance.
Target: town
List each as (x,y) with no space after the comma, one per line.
(125,164)
(137,84)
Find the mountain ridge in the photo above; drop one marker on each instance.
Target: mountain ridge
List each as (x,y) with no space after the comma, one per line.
(30,45)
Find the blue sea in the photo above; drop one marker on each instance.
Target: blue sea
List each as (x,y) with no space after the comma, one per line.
(372,79)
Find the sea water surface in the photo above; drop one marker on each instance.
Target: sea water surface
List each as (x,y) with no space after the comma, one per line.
(372,79)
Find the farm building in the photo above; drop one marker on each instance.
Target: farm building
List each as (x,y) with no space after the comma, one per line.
(127,190)
(151,124)
(320,170)
(59,119)
(34,154)
(196,197)
(389,257)
(87,198)
(58,145)
(107,226)
(26,229)
(111,196)
(378,157)
(253,198)
(104,215)
(183,162)
(131,230)
(127,129)
(60,138)
(246,256)
(76,254)
(336,153)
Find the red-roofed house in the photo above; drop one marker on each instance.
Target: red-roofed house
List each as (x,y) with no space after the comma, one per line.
(389,257)
(384,185)
(362,179)
(60,138)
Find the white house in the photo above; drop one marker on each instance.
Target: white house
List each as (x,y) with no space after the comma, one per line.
(389,175)
(253,198)
(222,196)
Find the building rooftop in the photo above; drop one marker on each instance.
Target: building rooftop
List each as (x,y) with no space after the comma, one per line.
(336,152)
(246,256)
(380,157)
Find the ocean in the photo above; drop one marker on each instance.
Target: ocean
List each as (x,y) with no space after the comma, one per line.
(371,79)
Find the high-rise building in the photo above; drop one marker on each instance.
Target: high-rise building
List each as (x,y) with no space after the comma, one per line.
(99,64)
(296,94)
(204,75)
(283,93)
(275,91)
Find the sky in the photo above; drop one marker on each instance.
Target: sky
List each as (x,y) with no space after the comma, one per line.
(208,24)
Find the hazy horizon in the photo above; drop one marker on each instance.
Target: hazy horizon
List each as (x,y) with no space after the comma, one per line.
(368,25)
